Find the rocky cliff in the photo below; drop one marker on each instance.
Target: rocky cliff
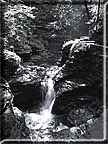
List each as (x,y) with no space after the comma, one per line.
(12,119)
(79,84)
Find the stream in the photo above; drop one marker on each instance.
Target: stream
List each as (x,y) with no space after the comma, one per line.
(45,126)
(41,124)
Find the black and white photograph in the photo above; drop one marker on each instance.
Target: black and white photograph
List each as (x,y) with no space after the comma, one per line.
(54,73)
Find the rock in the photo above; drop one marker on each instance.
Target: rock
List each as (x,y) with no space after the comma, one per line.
(27,89)
(93,132)
(11,57)
(28,96)
(77,106)
(24,81)
(11,63)
(24,52)
(67,85)
(12,119)
(67,99)
(78,84)
(6,97)
(84,61)
(81,63)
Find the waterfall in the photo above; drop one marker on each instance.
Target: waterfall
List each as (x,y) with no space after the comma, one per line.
(38,121)
(50,95)
(40,124)
(49,83)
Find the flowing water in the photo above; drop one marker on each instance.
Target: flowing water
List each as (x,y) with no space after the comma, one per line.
(50,96)
(47,51)
(44,126)
(40,124)
(53,25)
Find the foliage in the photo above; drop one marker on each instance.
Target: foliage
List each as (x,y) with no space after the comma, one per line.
(59,18)
(96,18)
(18,19)
(30,29)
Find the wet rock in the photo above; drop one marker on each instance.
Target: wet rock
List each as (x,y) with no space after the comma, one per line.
(12,119)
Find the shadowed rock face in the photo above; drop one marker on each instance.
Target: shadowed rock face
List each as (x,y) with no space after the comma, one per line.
(12,119)
(27,96)
(83,64)
(79,85)
(25,82)
(6,96)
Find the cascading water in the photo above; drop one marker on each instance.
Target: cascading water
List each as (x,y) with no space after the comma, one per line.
(49,83)
(40,123)
(44,126)
(50,96)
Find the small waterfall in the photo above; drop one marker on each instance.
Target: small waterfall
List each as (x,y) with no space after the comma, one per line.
(49,83)
(41,123)
(44,125)
(50,95)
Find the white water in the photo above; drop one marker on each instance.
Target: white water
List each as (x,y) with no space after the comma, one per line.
(42,124)
(42,121)
(50,96)
(49,82)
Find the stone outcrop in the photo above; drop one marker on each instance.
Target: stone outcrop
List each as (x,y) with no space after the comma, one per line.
(79,83)
(82,63)
(26,86)
(24,81)
(11,63)
(12,119)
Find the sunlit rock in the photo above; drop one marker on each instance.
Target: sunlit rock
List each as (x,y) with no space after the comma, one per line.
(11,63)
(11,57)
